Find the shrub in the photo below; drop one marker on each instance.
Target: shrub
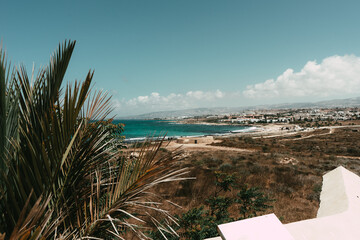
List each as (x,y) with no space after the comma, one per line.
(201,222)
(248,140)
(287,177)
(265,148)
(251,201)
(225,167)
(212,162)
(236,159)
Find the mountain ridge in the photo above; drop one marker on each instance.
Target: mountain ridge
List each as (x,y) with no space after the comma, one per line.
(347,102)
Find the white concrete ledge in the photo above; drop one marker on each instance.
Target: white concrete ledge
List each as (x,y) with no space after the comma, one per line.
(339,213)
(255,228)
(338,216)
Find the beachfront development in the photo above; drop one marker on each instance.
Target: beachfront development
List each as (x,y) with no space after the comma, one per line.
(310,115)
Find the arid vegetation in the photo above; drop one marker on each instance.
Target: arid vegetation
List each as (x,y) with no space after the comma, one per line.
(288,169)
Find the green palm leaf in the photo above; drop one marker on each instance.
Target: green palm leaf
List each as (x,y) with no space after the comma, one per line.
(54,146)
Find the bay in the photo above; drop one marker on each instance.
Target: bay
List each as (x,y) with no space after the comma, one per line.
(140,129)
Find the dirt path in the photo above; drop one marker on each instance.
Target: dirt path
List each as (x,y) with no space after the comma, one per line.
(205,147)
(343,156)
(278,135)
(331,131)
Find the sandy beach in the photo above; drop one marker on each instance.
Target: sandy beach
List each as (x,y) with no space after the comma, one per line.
(203,143)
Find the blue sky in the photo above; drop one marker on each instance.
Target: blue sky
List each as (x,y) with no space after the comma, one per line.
(168,55)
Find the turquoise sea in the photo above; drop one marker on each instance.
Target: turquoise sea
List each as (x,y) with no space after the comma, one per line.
(140,129)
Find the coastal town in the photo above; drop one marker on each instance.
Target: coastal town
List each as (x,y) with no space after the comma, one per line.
(298,116)
(270,123)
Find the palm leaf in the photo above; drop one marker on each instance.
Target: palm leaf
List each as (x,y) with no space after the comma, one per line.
(8,109)
(3,106)
(30,164)
(58,149)
(120,199)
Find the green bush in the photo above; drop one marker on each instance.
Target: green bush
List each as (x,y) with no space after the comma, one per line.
(201,222)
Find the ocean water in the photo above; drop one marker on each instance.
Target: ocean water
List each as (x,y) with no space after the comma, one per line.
(140,129)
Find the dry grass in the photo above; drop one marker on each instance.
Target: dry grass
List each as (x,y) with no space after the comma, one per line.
(295,184)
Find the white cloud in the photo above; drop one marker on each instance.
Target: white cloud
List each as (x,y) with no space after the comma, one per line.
(143,99)
(173,101)
(219,94)
(208,96)
(195,94)
(334,76)
(155,95)
(116,103)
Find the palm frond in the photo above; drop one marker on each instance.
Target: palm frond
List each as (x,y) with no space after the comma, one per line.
(8,108)
(3,112)
(63,175)
(122,195)
(31,224)
(29,165)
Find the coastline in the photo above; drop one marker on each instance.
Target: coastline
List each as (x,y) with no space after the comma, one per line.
(205,143)
(208,123)
(266,130)
(208,143)
(179,129)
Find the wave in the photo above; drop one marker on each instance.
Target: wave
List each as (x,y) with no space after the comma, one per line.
(142,130)
(250,129)
(141,139)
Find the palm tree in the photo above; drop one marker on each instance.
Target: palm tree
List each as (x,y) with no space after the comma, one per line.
(61,174)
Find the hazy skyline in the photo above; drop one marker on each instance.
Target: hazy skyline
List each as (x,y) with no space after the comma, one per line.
(169,55)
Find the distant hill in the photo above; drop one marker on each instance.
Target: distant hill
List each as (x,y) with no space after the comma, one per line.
(186,113)
(349,102)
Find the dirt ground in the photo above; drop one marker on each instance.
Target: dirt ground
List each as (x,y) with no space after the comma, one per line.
(288,167)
